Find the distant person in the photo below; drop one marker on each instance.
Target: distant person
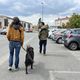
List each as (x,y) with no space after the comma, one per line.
(15,35)
(43,35)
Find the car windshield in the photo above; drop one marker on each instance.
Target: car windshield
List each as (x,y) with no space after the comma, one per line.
(76,31)
(67,32)
(72,32)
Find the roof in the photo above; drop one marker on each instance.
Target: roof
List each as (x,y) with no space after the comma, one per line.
(1,16)
(6,17)
(66,18)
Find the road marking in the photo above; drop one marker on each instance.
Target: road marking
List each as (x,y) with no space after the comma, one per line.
(51,75)
(68,72)
(5,57)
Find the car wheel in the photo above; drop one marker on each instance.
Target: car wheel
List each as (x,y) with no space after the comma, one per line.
(73,46)
(59,40)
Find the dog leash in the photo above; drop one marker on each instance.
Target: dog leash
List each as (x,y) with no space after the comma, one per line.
(24,49)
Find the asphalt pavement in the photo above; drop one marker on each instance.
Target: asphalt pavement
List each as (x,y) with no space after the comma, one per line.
(58,64)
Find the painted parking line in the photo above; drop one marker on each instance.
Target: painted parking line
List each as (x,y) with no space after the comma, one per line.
(67,72)
(5,57)
(51,76)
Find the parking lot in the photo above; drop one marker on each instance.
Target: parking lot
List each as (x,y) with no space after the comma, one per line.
(59,63)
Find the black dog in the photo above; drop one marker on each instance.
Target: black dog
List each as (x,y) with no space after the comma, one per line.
(29,59)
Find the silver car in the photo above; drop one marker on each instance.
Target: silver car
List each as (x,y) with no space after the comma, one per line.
(58,36)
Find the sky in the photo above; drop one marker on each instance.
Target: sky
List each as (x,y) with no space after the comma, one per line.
(30,10)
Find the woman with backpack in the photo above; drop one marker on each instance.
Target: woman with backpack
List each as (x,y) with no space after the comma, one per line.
(43,35)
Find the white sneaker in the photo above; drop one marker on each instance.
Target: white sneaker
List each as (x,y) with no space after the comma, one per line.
(10,68)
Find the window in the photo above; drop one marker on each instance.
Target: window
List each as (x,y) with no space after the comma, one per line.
(0,24)
(5,22)
(79,32)
(76,31)
(24,24)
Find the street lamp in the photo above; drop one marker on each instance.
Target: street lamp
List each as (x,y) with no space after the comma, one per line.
(42,10)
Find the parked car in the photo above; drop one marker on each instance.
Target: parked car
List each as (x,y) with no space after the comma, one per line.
(52,36)
(72,39)
(51,31)
(3,32)
(58,36)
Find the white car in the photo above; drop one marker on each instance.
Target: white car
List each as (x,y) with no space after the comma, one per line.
(3,31)
(51,31)
(58,36)
(52,36)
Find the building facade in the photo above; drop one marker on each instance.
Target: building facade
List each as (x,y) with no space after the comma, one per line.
(6,21)
(61,21)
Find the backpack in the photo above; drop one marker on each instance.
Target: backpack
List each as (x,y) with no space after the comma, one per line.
(43,34)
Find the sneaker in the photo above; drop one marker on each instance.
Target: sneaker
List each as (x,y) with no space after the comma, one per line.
(10,68)
(44,54)
(17,69)
(40,52)
(27,73)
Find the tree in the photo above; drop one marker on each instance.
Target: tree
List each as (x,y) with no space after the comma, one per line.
(74,21)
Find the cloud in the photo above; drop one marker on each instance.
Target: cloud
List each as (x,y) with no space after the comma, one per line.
(48,19)
(32,9)
(3,1)
(18,6)
(77,2)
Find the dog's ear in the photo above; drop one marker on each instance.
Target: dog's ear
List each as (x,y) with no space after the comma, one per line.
(32,49)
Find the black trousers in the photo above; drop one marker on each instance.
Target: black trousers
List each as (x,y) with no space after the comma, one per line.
(43,44)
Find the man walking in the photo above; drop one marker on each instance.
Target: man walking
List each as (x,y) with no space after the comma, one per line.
(15,35)
(43,35)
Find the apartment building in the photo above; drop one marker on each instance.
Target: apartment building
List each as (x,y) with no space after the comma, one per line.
(6,21)
(61,21)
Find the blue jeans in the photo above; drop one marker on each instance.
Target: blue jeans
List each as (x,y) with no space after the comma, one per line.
(14,46)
